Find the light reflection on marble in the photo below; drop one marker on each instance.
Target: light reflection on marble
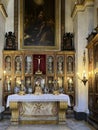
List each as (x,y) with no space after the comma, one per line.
(71,124)
(78,125)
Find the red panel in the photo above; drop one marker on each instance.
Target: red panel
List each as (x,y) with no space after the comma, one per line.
(42,65)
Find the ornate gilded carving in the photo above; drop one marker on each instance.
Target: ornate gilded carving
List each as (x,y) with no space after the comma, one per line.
(14,112)
(23,111)
(10,43)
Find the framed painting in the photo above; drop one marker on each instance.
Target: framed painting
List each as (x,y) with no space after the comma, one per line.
(40,24)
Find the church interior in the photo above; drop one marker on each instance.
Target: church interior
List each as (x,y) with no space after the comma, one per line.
(49,64)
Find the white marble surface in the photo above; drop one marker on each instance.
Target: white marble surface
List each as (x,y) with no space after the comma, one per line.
(41,127)
(71,124)
(37,98)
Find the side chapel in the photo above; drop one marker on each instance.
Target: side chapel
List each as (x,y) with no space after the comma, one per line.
(49,47)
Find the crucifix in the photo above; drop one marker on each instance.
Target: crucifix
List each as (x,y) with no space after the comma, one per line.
(39,61)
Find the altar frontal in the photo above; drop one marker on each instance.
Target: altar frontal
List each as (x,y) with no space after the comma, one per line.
(38,109)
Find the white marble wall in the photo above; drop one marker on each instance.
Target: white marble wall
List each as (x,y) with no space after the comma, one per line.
(10,18)
(2,41)
(6,24)
(4,2)
(68,18)
(83,25)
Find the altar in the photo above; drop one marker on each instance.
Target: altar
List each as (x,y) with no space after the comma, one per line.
(38,109)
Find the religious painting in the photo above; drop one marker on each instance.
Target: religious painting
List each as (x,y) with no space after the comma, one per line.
(40,24)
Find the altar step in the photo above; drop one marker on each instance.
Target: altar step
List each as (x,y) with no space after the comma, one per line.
(7,114)
(70,113)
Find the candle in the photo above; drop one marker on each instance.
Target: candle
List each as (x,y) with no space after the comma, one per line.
(4,72)
(70,81)
(84,74)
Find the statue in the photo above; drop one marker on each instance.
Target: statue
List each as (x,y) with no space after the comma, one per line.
(38,89)
(10,43)
(56,90)
(67,41)
(38,71)
(22,88)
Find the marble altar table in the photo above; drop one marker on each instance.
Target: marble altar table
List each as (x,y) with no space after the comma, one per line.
(38,109)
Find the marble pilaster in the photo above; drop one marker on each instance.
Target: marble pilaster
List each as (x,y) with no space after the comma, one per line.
(82,26)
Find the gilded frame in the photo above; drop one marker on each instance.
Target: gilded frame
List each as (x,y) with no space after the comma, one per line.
(57,29)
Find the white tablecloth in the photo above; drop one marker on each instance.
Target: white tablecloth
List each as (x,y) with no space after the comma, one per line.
(37,98)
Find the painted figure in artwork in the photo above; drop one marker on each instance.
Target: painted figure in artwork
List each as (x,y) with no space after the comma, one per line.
(40,29)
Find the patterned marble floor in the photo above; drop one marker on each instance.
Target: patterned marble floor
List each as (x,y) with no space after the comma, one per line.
(71,124)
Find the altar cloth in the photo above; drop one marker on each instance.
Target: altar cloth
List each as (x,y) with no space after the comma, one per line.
(37,98)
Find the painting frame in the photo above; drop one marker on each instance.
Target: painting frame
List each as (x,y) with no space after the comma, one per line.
(57,36)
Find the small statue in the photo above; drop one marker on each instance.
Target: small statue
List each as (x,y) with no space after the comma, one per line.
(67,41)
(10,43)
(39,61)
(22,88)
(38,89)
(56,90)
(69,64)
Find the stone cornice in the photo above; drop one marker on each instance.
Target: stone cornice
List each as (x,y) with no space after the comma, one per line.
(3,11)
(81,7)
